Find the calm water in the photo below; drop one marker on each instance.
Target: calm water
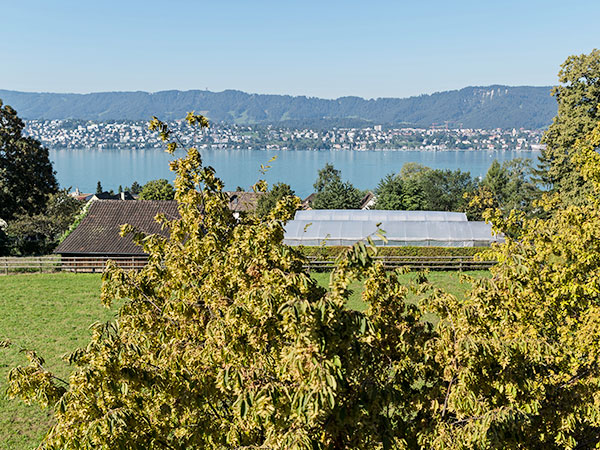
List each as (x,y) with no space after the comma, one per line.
(298,168)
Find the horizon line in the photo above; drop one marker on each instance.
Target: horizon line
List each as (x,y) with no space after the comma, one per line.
(276,95)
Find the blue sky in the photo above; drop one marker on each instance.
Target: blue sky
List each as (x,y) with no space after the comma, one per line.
(315,48)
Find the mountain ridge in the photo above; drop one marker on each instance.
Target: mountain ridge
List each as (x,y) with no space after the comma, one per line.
(495,106)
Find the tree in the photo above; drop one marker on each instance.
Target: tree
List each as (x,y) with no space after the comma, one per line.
(390,193)
(135,188)
(521,350)
(443,190)
(422,188)
(268,201)
(412,169)
(506,187)
(333,193)
(157,190)
(38,234)
(26,174)
(99,189)
(518,192)
(496,180)
(326,176)
(224,341)
(578,99)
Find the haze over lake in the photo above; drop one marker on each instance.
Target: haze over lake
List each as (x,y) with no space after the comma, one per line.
(84,168)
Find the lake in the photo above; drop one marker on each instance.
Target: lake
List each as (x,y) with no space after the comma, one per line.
(83,168)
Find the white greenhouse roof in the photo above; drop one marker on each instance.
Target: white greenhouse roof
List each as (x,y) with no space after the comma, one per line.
(398,233)
(380,215)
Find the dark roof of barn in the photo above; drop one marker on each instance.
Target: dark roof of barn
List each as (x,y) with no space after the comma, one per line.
(98,232)
(240,201)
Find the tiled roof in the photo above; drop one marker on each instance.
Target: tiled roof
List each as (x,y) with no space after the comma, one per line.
(98,232)
(240,201)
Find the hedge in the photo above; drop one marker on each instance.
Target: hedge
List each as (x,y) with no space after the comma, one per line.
(334,251)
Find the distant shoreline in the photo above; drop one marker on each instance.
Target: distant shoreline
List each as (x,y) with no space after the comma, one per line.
(304,149)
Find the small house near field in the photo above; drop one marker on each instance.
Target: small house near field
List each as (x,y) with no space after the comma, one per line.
(97,238)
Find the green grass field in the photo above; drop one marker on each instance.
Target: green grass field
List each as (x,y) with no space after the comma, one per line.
(448,281)
(51,313)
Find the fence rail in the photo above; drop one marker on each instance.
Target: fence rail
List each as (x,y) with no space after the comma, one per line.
(97,264)
(67,264)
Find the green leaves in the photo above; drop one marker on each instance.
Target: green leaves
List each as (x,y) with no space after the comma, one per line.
(157,190)
(26,174)
(578,97)
(333,193)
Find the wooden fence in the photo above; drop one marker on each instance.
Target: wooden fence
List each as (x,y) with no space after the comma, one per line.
(67,264)
(97,264)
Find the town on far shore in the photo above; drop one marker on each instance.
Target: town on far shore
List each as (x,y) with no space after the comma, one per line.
(123,134)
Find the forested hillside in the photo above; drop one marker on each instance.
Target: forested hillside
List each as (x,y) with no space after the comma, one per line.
(473,107)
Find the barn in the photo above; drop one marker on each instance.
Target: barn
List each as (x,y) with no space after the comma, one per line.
(97,238)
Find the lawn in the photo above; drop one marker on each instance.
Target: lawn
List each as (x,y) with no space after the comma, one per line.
(448,281)
(51,313)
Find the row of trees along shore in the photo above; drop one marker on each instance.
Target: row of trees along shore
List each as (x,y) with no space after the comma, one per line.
(506,186)
(224,341)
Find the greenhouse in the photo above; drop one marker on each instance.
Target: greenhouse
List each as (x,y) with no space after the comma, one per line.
(380,215)
(401,228)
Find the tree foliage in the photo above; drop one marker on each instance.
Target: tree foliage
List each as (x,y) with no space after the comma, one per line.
(419,187)
(26,174)
(521,351)
(578,98)
(333,193)
(225,341)
(390,193)
(135,188)
(507,186)
(38,234)
(157,190)
(267,202)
